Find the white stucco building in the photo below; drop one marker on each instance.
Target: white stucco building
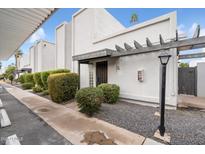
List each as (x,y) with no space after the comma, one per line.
(96,31)
(41,57)
(25,61)
(63,46)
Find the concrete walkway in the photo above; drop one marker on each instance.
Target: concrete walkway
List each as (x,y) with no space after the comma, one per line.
(70,123)
(26,127)
(191,101)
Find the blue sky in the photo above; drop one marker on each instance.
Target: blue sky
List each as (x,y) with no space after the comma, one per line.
(187,19)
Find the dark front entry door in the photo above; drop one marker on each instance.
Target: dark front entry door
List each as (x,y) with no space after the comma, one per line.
(101,72)
(187,81)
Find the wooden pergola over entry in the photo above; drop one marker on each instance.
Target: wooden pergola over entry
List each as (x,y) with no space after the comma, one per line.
(195,42)
(180,44)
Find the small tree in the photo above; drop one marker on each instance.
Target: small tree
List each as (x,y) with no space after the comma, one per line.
(17,55)
(183,65)
(9,71)
(134,18)
(11,78)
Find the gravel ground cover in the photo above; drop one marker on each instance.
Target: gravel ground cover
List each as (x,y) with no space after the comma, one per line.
(184,126)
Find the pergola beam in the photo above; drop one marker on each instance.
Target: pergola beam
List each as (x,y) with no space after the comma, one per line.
(194,55)
(192,42)
(177,36)
(137,45)
(149,43)
(186,44)
(197,32)
(161,39)
(119,49)
(127,46)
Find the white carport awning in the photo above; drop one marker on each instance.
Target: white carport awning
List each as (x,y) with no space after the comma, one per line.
(17,25)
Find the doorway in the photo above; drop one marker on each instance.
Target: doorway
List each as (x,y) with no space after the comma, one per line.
(101,72)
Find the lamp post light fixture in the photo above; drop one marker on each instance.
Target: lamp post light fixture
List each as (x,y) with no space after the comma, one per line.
(164,59)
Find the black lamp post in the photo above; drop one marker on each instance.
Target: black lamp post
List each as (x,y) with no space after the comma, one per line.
(164,58)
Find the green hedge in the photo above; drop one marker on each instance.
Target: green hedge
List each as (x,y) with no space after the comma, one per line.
(21,78)
(37,79)
(9,71)
(27,85)
(44,76)
(11,77)
(89,100)
(62,86)
(44,79)
(111,92)
(28,78)
(37,89)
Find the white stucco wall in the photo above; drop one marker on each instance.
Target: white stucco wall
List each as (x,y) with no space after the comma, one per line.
(63,46)
(85,40)
(32,61)
(35,58)
(25,60)
(87,26)
(48,56)
(201,79)
(41,56)
(45,53)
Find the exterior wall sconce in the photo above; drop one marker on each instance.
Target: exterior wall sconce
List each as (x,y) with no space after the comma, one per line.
(140,75)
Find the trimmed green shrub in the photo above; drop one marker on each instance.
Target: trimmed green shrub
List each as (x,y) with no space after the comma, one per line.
(37,89)
(1,76)
(44,79)
(62,86)
(27,85)
(111,92)
(89,100)
(11,77)
(21,78)
(9,70)
(45,92)
(28,78)
(37,79)
(44,75)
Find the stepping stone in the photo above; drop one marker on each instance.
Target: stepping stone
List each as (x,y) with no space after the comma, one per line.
(149,141)
(1,104)
(5,121)
(12,140)
(166,138)
(157,114)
